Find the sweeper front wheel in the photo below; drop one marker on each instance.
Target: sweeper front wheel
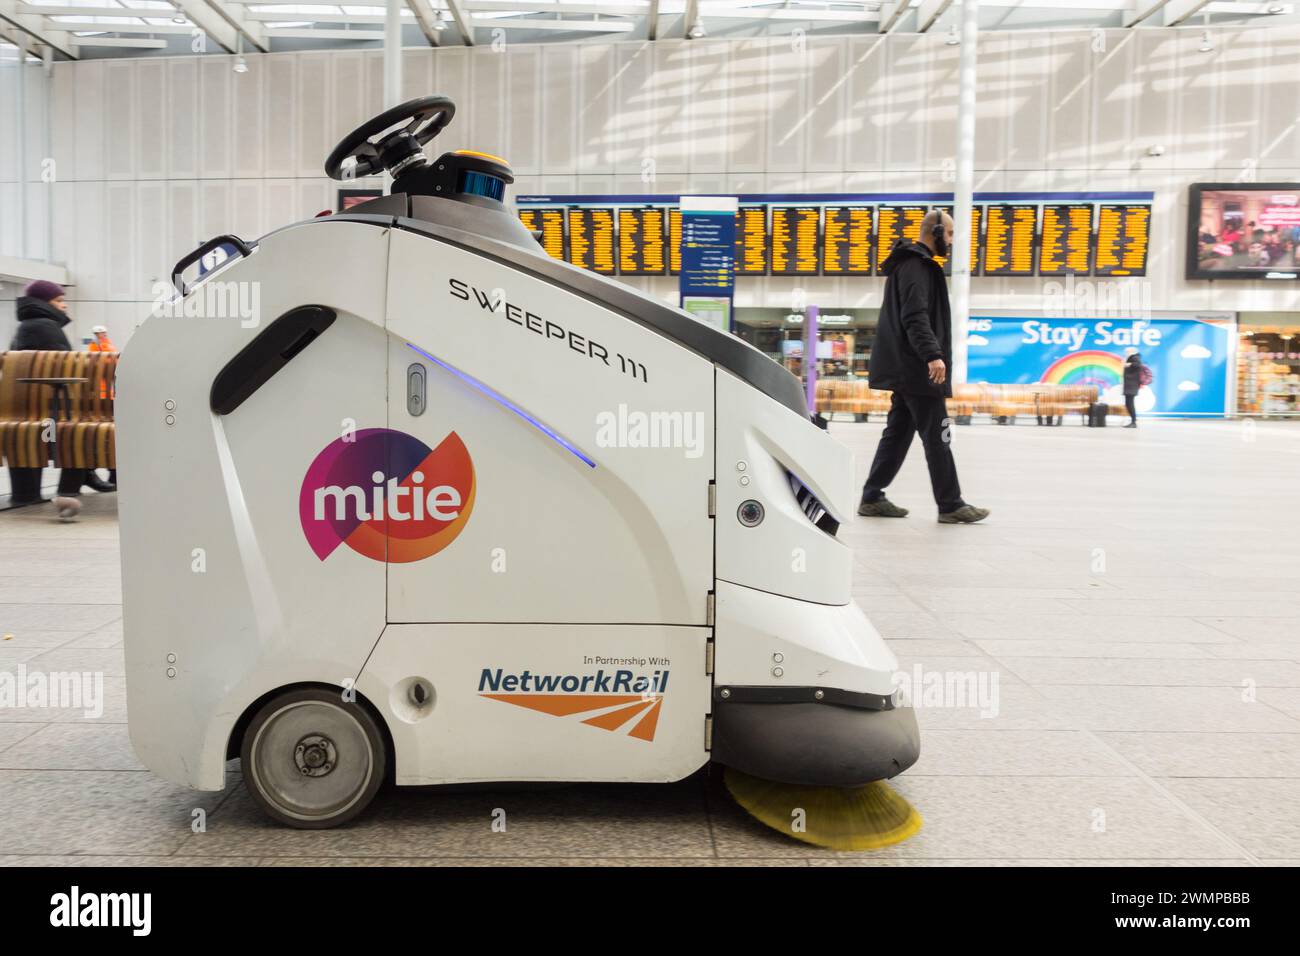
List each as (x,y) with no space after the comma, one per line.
(313,760)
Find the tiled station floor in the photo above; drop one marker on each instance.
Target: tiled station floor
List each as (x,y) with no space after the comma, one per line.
(1131,609)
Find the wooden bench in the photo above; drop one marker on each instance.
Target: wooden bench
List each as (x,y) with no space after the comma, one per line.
(84,434)
(1045,402)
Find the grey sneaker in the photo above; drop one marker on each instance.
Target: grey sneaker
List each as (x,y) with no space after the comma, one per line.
(881,508)
(966,514)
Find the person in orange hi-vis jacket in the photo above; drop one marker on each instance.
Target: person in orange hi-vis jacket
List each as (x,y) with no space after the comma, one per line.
(102,343)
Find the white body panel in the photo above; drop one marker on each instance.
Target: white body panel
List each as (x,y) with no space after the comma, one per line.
(469,736)
(785,554)
(819,645)
(214,566)
(550,539)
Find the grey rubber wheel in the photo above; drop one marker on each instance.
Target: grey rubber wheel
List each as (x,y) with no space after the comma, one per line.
(312,760)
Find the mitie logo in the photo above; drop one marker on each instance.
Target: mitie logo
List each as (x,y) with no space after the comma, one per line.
(619,700)
(387,495)
(75,908)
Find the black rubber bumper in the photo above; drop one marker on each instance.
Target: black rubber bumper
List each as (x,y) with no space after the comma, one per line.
(818,744)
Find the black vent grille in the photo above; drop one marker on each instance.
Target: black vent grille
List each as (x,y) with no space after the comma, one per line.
(811,507)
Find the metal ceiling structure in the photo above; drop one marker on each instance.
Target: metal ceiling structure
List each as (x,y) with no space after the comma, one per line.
(61,29)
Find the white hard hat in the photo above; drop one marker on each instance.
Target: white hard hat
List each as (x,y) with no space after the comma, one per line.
(100,330)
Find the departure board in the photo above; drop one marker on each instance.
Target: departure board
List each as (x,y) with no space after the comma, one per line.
(1066,241)
(674,241)
(751,241)
(641,249)
(1009,240)
(796,240)
(551,223)
(846,242)
(591,239)
(1123,236)
(972,235)
(894,223)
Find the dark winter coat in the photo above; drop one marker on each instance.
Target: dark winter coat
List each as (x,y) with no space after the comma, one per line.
(40,326)
(915,324)
(1133,374)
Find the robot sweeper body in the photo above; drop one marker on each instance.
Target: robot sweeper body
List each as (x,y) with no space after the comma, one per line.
(442,509)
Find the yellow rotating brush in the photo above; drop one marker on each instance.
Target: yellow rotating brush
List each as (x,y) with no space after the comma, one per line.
(855,818)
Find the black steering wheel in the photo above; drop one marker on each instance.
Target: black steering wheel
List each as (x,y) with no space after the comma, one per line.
(427,116)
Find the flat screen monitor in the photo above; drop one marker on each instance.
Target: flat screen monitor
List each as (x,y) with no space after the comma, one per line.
(1243,231)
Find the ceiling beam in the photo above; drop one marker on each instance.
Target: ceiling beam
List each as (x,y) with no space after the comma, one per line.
(712,12)
(223,23)
(577,26)
(135,43)
(462,21)
(652,20)
(33,32)
(427,17)
(691,18)
(891,13)
(1177,11)
(928,12)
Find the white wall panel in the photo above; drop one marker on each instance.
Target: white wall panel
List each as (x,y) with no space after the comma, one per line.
(183,118)
(120,243)
(247,125)
(281,119)
(216,79)
(151,146)
(315,119)
(89,120)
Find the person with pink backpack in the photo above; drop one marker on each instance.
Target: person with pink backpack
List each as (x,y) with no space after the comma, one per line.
(1135,376)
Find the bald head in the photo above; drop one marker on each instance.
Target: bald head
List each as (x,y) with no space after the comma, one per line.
(932,219)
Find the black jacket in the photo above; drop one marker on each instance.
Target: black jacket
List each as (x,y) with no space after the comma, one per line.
(915,324)
(40,326)
(1133,375)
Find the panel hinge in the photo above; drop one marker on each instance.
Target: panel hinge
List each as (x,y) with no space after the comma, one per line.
(708,731)
(713,499)
(708,657)
(708,609)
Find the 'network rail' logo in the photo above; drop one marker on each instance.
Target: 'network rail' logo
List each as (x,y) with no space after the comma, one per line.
(614,699)
(387,495)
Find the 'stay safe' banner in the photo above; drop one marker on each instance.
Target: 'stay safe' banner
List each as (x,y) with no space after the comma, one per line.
(1188,357)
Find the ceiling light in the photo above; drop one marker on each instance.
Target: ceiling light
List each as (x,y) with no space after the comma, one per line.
(696,31)
(1207,46)
(1276,8)
(241,64)
(439,25)
(953,37)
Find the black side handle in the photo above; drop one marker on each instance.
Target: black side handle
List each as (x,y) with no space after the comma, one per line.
(190,258)
(274,348)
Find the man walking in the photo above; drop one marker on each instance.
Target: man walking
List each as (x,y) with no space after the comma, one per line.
(911,357)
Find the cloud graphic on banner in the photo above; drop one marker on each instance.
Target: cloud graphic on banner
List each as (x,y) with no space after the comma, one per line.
(1186,386)
(976,340)
(1194,351)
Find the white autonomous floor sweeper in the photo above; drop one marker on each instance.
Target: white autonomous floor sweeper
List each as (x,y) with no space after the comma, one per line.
(403,498)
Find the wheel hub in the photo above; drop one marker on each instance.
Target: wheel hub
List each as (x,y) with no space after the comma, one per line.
(315,755)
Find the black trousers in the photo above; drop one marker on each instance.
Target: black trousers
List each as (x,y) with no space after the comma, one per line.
(1130,402)
(927,416)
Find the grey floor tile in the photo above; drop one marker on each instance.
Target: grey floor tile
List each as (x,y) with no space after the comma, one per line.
(71,812)
(644,820)
(1210,754)
(72,746)
(1258,814)
(1168,708)
(1014,753)
(1153,673)
(1106,650)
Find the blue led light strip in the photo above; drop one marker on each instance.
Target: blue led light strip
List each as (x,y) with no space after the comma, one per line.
(498,397)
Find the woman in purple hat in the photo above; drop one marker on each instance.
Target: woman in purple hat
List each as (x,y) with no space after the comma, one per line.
(42,315)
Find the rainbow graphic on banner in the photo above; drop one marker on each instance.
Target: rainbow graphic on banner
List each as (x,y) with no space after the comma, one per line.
(1091,367)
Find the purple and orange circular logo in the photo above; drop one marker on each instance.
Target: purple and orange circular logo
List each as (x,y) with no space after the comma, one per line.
(387,495)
